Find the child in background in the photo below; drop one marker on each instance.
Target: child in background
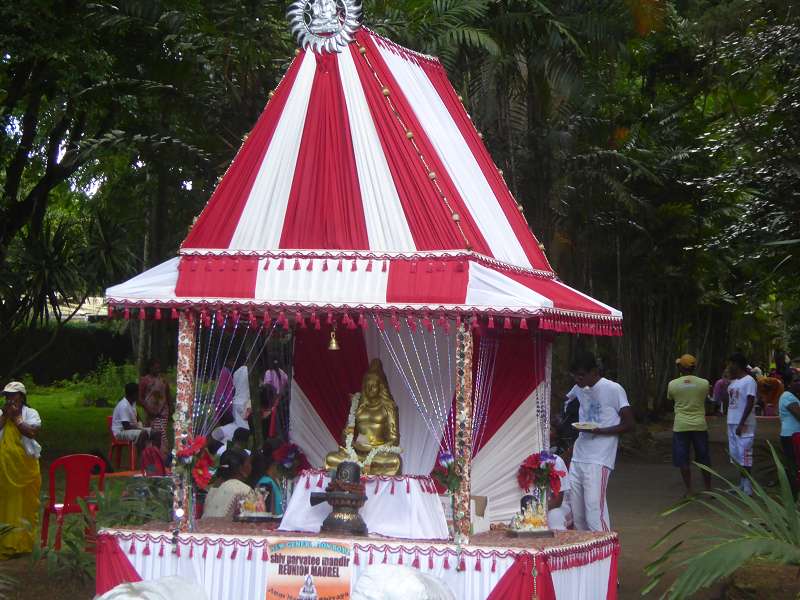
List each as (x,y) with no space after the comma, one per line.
(270,478)
(559,514)
(158,404)
(152,460)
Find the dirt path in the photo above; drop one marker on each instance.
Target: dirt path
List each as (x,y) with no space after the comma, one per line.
(644,485)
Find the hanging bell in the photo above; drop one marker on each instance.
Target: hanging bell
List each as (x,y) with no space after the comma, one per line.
(333,344)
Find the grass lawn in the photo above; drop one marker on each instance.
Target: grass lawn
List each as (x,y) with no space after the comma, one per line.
(67,427)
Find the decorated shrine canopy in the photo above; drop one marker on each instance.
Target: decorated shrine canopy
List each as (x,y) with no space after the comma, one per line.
(365,187)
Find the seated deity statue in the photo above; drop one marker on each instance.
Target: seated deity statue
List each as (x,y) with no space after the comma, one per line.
(325,18)
(375,425)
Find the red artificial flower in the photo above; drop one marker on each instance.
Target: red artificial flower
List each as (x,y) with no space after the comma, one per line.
(281,453)
(555,481)
(200,472)
(192,447)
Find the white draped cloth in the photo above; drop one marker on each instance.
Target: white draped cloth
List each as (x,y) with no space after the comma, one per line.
(400,507)
(393,582)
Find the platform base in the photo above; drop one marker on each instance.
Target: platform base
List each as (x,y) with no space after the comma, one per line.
(546,533)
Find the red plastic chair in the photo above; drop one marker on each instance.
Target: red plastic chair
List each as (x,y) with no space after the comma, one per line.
(118,445)
(78,469)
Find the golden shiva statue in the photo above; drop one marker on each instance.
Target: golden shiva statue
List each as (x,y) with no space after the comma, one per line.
(375,425)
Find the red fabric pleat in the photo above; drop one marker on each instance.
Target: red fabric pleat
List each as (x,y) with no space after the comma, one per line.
(519,368)
(217,277)
(217,223)
(325,208)
(517,583)
(429,220)
(113,566)
(438,77)
(329,378)
(612,574)
(562,296)
(407,285)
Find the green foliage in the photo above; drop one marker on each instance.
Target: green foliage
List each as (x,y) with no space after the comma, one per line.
(72,561)
(123,503)
(136,502)
(7,583)
(105,386)
(743,528)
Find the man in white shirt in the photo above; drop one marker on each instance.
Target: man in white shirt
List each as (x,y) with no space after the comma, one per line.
(241,406)
(742,392)
(605,404)
(125,425)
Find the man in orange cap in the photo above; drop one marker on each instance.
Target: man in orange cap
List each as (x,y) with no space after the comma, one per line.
(689,394)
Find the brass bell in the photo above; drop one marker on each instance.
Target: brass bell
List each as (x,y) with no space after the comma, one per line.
(333,344)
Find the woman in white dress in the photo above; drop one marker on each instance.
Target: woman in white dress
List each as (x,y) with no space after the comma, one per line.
(234,470)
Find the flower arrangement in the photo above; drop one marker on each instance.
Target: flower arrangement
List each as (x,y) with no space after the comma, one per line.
(290,460)
(539,471)
(446,472)
(194,460)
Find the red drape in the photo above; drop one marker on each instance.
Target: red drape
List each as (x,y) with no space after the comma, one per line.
(113,566)
(562,296)
(518,581)
(530,245)
(327,377)
(429,220)
(217,277)
(427,282)
(519,369)
(612,574)
(218,221)
(325,209)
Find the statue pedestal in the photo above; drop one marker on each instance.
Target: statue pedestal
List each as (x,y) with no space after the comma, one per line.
(405,506)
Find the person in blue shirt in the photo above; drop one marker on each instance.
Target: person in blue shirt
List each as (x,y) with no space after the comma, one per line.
(269,478)
(789,412)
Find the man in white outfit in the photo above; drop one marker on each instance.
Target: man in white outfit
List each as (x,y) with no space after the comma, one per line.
(605,404)
(241,406)
(125,424)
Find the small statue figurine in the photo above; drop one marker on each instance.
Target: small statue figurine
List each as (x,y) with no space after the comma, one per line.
(531,520)
(325,17)
(375,425)
(309,591)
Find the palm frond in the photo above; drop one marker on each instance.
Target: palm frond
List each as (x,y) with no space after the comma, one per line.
(745,527)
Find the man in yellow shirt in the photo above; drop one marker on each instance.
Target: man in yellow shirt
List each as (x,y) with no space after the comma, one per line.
(689,394)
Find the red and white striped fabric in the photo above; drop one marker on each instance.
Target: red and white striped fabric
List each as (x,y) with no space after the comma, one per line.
(228,566)
(365,185)
(434,283)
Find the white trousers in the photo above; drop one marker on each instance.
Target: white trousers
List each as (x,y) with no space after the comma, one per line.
(588,483)
(131,435)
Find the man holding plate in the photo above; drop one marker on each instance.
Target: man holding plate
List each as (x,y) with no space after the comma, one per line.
(605,414)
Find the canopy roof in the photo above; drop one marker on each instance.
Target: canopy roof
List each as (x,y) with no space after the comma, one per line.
(365,186)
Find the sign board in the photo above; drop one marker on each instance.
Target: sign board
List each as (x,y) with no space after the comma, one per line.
(309,569)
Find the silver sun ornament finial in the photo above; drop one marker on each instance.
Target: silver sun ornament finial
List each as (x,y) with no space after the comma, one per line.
(324,25)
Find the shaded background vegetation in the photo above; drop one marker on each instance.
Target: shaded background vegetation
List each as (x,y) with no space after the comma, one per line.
(652,144)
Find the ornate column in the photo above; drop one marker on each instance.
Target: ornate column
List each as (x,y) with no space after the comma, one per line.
(463,434)
(182,419)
